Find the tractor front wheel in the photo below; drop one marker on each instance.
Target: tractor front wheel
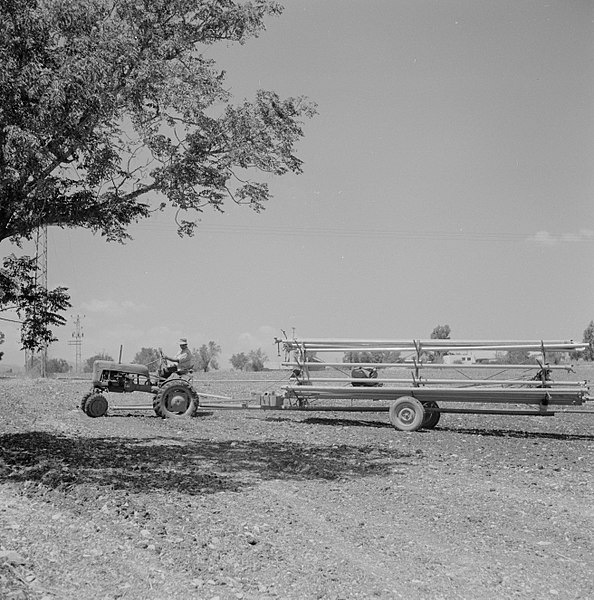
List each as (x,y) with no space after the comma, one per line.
(94,404)
(175,399)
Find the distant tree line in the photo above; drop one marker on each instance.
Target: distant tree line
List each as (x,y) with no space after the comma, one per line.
(53,366)
(440,332)
(371,357)
(252,361)
(206,356)
(88,365)
(443,332)
(57,365)
(587,338)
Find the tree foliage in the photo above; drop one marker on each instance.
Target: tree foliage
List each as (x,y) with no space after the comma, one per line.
(57,365)
(206,357)
(588,338)
(239,361)
(254,360)
(37,307)
(147,356)
(106,103)
(441,332)
(371,357)
(88,367)
(111,109)
(518,356)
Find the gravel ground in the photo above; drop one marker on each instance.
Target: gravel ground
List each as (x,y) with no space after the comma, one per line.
(254,504)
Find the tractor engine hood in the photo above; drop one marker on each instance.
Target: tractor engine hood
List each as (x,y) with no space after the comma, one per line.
(106,365)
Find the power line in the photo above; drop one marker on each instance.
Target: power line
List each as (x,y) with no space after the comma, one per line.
(11,320)
(313,231)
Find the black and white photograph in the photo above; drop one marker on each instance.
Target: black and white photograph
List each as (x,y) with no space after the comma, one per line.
(296,299)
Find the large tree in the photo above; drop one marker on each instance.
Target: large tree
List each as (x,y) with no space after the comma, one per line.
(440,332)
(111,109)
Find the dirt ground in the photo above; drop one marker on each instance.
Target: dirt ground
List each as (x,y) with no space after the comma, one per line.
(254,504)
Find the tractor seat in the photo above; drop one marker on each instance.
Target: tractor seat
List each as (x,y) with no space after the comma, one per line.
(186,375)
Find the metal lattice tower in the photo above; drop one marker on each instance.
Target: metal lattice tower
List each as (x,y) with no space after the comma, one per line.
(36,362)
(76,341)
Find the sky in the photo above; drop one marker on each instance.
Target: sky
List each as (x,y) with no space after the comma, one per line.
(448,179)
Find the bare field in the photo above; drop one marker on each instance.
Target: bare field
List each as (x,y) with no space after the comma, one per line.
(253,504)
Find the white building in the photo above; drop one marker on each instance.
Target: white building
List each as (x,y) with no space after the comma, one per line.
(459,358)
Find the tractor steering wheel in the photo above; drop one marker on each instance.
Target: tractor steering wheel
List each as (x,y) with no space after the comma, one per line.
(162,360)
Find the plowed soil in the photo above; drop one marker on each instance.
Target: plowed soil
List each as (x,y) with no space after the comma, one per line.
(256,504)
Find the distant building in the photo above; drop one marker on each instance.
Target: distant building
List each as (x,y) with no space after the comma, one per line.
(459,358)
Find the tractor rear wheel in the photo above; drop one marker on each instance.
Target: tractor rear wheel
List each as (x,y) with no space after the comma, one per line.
(175,399)
(94,404)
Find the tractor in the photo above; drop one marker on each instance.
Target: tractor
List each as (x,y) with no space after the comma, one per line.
(173,397)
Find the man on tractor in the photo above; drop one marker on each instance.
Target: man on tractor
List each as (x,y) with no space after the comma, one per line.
(183,360)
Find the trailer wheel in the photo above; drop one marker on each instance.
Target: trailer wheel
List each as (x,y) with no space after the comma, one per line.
(176,399)
(94,405)
(432,417)
(407,414)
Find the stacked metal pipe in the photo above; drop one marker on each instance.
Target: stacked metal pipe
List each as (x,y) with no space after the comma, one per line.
(538,388)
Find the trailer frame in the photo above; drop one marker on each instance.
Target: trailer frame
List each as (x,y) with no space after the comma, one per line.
(412,403)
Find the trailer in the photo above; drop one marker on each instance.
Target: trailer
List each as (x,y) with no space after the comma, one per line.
(432,385)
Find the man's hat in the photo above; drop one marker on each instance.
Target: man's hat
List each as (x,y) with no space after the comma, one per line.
(183,341)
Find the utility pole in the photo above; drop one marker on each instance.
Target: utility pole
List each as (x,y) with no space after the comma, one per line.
(76,341)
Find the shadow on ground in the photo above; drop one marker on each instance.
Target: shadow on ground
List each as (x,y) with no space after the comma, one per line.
(509,433)
(346,422)
(336,422)
(140,465)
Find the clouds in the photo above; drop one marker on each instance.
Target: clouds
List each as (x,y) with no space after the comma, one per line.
(545,238)
(263,338)
(108,324)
